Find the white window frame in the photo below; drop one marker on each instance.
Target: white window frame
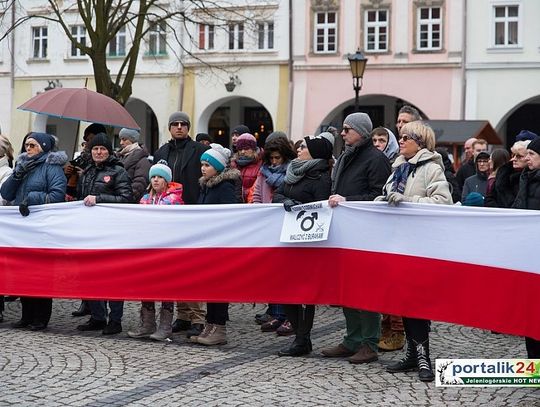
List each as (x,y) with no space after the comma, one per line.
(266,35)
(506,19)
(80,36)
(325,27)
(157,34)
(430,22)
(41,40)
(376,26)
(119,42)
(236,36)
(208,31)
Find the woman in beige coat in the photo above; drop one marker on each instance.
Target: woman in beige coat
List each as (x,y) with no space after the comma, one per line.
(418,176)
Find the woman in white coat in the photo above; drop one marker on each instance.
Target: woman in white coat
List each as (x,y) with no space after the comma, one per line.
(6,168)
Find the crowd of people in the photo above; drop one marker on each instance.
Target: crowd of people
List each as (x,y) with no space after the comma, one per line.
(375,165)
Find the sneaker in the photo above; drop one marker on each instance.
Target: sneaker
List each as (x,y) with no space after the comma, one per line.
(285,329)
(394,340)
(271,326)
(112,328)
(364,355)
(92,325)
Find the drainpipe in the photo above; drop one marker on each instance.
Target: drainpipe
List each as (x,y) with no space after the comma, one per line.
(463,63)
(291,82)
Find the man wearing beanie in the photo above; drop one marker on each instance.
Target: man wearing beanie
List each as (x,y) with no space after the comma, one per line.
(104,181)
(134,158)
(237,132)
(183,155)
(359,174)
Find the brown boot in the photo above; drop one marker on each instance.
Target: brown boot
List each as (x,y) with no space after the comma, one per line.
(395,340)
(364,355)
(216,336)
(339,351)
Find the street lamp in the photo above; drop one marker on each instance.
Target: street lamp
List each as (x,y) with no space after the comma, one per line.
(358,64)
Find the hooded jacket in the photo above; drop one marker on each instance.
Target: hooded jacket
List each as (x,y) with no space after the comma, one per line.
(45,183)
(391,151)
(219,189)
(172,196)
(426,183)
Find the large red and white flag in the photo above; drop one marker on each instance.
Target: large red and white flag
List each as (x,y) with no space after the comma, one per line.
(473,266)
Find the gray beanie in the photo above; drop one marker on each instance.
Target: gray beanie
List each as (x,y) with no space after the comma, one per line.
(179,117)
(359,122)
(132,135)
(274,135)
(329,136)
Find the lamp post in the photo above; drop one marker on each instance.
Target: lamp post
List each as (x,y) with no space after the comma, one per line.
(358,64)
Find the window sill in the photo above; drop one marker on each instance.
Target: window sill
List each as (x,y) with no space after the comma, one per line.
(76,59)
(428,51)
(37,60)
(510,49)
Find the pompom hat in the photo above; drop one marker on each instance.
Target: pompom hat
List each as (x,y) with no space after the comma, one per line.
(46,141)
(246,142)
(217,156)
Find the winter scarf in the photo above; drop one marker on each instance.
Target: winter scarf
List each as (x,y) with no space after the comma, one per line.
(298,168)
(399,179)
(128,149)
(274,175)
(242,161)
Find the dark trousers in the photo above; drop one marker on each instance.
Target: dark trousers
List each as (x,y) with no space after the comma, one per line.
(1,303)
(416,329)
(301,318)
(36,310)
(217,313)
(533,348)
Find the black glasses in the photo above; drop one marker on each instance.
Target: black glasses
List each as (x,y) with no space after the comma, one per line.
(178,124)
(302,146)
(346,129)
(29,145)
(405,137)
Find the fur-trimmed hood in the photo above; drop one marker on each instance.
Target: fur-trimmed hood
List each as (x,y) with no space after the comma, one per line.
(52,158)
(229,174)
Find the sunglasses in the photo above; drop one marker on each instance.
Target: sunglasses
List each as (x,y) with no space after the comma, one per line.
(30,145)
(405,137)
(179,124)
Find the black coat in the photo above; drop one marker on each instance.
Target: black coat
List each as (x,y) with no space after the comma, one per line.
(220,189)
(184,159)
(505,189)
(314,186)
(467,169)
(109,182)
(528,196)
(364,173)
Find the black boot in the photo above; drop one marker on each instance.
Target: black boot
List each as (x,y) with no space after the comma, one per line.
(84,309)
(425,373)
(300,347)
(408,363)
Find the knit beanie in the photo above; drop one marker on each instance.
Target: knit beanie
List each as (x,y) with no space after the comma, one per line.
(246,142)
(179,117)
(101,139)
(274,135)
(534,145)
(473,199)
(526,135)
(217,156)
(360,122)
(46,141)
(132,135)
(319,147)
(160,170)
(94,128)
(240,129)
(202,136)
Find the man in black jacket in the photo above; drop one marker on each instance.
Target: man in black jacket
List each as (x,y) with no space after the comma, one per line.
(183,156)
(359,174)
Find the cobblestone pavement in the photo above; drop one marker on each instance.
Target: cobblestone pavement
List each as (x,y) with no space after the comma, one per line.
(64,367)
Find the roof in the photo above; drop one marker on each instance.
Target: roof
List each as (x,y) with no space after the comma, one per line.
(458,131)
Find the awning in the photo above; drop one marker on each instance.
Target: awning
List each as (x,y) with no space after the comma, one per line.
(458,131)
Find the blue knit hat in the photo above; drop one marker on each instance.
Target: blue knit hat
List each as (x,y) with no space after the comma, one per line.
(473,199)
(526,135)
(46,141)
(161,170)
(217,156)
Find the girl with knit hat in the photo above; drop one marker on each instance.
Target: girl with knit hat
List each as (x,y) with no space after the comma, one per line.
(307,180)
(217,187)
(162,191)
(248,160)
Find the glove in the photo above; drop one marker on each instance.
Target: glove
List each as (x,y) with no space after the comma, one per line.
(395,198)
(23,208)
(289,203)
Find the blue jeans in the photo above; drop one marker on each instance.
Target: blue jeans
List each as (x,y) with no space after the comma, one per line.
(277,311)
(99,310)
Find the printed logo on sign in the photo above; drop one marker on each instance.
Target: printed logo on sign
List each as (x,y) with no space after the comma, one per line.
(488,372)
(306,223)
